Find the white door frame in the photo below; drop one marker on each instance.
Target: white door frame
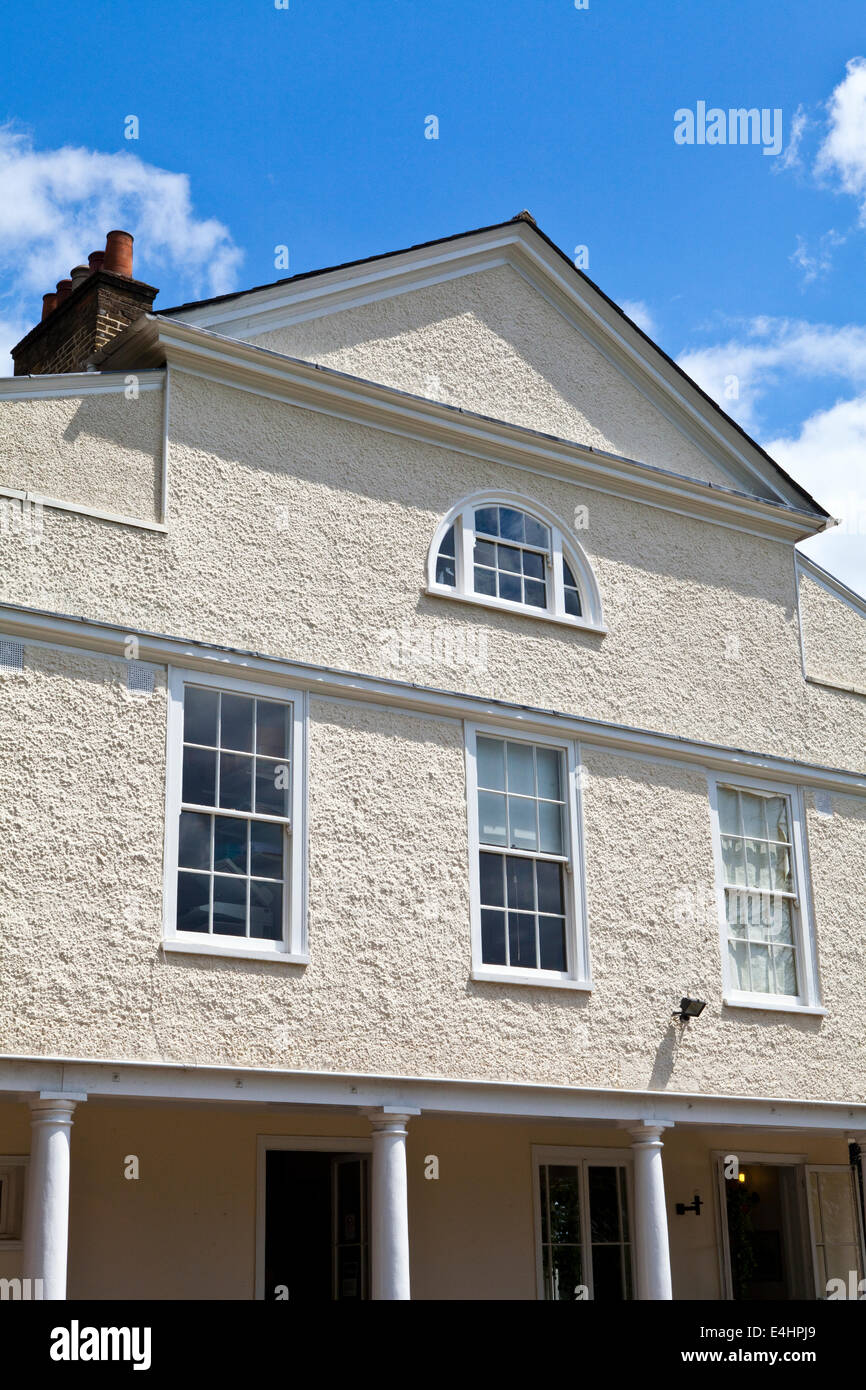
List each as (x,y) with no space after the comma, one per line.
(318,1143)
(855,1201)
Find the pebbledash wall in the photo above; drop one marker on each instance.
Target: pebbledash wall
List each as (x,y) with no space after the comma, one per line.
(305,536)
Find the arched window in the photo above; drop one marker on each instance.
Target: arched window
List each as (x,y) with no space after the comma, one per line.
(504,552)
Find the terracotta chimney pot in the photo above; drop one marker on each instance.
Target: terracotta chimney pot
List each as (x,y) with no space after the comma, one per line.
(95,259)
(118,253)
(63,288)
(49,304)
(77,274)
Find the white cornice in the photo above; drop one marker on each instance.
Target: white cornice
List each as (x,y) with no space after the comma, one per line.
(157,1081)
(532,256)
(152,341)
(109,639)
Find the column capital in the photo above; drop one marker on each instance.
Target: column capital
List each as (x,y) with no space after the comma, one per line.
(646,1131)
(390,1117)
(54,1107)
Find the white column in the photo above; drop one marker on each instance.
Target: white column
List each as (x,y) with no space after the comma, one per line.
(650,1214)
(46,1215)
(389,1233)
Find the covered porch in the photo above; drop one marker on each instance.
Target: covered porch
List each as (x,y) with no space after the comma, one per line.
(141,1181)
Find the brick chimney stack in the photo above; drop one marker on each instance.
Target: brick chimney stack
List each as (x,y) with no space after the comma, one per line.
(85,312)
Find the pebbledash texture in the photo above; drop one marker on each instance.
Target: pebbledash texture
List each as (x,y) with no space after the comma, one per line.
(412,692)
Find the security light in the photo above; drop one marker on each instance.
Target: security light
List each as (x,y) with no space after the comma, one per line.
(689,1008)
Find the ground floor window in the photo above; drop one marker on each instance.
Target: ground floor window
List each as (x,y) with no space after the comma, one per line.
(583,1223)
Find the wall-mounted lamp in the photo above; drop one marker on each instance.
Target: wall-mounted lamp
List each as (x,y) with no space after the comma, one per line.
(695,1206)
(689,1008)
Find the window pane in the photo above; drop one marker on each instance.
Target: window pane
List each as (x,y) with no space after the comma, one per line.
(446,546)
(194,845)
(535,593)
(485,554)
(491,763)
(521,769)
(729,815)
(193,897)
(759,962)
(780,869)
(754,826)
(485,582)
(236,780)
(536,533)
(272,729)
(572,603)
(445,571)
(607,1273)
(603,1203)
(230,905)
(487,520)
(533,565)
(492,880)
(236,724)
(272,787)
(734,859)
(549,879)
(738,959)
(511,524)
(550,827)
(521,940)
(492,937)
(549,762)
(520,879)
(737,912)
(777,817)
(199,776)
(780,926)
(564,1189)
(551,937)
(568,578)
(510,587)
(563,1272)
(230,845)
(491,818)
(266,911)
(786,970)
(522,832)
(266,850)
(200,715)
(509,559)
(758,864)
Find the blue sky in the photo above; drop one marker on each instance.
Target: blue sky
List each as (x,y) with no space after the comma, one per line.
(304,126)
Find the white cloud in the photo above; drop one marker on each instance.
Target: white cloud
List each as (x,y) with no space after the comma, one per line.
(843,152)
(790,158)
(57,205)
(739,372)
(826,457)
(642,316)
(816,262)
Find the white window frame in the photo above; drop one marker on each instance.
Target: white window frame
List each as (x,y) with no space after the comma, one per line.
(808,1001)
(462,518)
(13,1171)
(293,949)
(578,975)
(581,1158)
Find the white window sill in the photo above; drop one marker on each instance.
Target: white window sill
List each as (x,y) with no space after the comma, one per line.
(767,1002)
(232,951)
(521,610)
(491,976)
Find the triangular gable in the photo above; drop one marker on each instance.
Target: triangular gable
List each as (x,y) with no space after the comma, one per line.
(499,321)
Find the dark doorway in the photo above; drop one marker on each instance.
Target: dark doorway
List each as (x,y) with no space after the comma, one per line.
(766,1219)
(316,1226)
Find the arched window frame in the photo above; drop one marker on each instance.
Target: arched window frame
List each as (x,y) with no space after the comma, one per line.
(562,545)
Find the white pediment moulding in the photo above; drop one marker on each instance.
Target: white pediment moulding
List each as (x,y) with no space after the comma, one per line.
(107,639)
(520,245)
